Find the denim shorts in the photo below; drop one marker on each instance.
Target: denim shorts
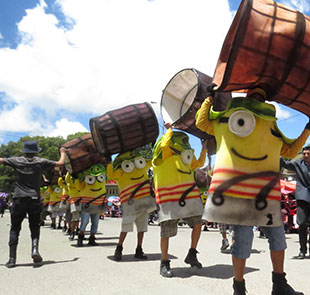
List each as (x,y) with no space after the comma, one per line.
(243,239)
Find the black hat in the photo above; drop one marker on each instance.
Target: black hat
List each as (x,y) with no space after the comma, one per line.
(31,147)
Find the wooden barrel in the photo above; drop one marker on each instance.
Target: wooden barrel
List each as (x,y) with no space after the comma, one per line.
(182,98)
(50,176)
(267,45)
(81,153)
(124,129)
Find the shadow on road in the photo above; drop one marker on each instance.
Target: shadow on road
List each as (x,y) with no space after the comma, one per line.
(46,262)
(253,251)
(218,271)
(85,245)
(150,257)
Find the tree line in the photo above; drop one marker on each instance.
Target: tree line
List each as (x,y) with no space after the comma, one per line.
(50,150)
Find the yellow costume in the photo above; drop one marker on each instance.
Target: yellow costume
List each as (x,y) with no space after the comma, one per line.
(245,187)
(173,167)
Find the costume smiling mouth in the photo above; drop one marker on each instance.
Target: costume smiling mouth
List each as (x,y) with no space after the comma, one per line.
(184,172)
(96,190)
(247,158)
(136,178)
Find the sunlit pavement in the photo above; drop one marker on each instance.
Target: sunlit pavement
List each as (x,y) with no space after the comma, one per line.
(68,269)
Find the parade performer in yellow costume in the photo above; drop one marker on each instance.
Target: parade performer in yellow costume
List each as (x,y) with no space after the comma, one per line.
(176,192)
(64,203)
(93,200)
(54,205)
(245,187)
(45,195)
(130,170)
(74,189)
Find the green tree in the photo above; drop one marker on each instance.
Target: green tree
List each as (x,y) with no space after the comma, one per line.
(50,150)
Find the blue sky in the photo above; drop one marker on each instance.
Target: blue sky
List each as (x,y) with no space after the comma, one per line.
(66,61)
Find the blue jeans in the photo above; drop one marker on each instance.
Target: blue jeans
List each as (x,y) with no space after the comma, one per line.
(85,219)
(243,239)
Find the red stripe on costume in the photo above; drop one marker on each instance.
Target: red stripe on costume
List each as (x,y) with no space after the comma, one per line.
(175,199)
(237,172)
(166,194)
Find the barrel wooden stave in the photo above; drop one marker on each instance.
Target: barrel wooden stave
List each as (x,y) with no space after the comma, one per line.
(124,129)
(268,46)
(81,153)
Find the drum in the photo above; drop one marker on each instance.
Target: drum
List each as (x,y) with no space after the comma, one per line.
(81,153)
(267,45)
(182,98)
(124,129)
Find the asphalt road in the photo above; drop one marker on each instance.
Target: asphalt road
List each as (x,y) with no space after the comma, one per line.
(68,269)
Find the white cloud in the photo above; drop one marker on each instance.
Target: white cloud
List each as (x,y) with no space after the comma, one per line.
(65,127)
(119,52)
(281,113)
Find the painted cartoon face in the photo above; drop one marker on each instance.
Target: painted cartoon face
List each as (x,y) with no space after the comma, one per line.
(55,192)
(64,186)
(244,139)
(175,168)
(45,193)
(132,171)
(132,167)
(93,181)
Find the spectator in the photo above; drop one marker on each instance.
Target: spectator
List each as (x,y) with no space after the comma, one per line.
(302,194)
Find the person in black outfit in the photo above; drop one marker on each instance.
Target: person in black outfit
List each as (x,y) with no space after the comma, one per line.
(302,194)
(26,197)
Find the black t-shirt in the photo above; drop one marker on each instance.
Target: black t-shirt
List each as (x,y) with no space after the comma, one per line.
(28,174)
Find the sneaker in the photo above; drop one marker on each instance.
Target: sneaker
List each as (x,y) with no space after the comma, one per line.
(281,287)
(118,253)
(301,255)
(239,288)
(191,258)
(139,253)
(11,263)
(165,269)
(92,242)
(225,244)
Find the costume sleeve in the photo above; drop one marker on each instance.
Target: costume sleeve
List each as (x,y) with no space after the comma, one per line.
(113,174)
(201,161)
(166,151)
(291,150)
(202,120)
(287,165)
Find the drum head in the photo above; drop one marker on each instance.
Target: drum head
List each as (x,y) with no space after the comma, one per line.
(179,95)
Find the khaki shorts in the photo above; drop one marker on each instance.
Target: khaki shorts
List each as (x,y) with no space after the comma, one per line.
(76,216)
(140,219)
(169,228)
(57,213)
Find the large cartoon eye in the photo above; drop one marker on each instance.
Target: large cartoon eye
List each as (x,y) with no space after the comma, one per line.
(57,190)
(187,156)
(241,123)
(140,163)
(128,166)
(101,177)
(90,179)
